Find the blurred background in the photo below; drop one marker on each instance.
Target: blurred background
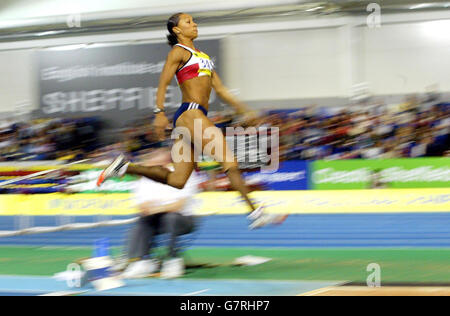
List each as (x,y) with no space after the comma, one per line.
(360,92)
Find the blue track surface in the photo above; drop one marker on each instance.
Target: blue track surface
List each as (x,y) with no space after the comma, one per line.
(24,285)
(315,231)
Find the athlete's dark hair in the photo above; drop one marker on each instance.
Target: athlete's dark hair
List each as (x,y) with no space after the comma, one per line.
(171,23)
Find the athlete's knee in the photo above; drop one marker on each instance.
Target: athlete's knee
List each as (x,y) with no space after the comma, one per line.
(176,182)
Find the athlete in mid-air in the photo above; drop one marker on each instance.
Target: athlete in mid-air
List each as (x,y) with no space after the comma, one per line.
(194,71)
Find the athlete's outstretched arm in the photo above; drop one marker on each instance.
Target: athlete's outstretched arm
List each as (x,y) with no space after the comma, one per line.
(227,96)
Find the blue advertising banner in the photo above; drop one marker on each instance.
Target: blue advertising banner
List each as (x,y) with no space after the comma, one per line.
(291,175)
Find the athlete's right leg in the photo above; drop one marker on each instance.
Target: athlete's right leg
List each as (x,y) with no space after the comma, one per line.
(176,178)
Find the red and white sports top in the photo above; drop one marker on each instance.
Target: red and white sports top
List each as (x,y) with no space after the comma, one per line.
(198,65)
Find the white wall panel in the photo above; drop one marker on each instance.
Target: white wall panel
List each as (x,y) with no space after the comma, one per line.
(17,83)
(406,58)
(285,65)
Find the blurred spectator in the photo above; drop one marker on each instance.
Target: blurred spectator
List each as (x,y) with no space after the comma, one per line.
(163,210)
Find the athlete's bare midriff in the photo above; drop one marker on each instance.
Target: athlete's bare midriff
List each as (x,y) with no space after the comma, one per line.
(197,90)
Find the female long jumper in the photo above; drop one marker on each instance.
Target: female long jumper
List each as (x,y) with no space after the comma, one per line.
(194,71)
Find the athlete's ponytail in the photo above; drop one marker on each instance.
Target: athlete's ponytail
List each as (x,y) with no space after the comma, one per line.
(172,39)
(171,23)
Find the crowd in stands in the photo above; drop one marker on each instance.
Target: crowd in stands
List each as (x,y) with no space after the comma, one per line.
(398,132)
(48,139)
(412,129)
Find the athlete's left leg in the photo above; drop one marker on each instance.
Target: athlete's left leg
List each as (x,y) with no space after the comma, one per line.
(223,154)
(204,133)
